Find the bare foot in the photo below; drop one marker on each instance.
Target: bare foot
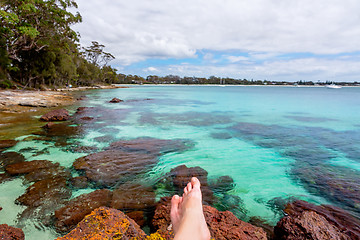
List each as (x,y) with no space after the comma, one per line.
(187,217)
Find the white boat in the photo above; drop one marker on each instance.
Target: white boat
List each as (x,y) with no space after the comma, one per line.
(333,86)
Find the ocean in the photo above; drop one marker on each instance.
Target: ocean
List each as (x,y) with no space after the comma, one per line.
(276,143)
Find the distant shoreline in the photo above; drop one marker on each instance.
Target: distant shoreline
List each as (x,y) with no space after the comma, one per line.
(230,85)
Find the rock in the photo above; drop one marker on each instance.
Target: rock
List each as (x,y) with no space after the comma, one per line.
(4,177)
(81,110)
(223,184)
(53,189)
(115,100)
(317,222)
(138,217)
(68,216)
(105,138)
(125,160)
(49,125)
(46,173)
(114,166)
(258,222)
(9,158)
(133,196)
(87,118)
(7,144)
(307,225)
(86,149)
(11,233)
(55,115)
(338,184)
(181,175)
(79,182)
(152,145)
(106,223)
(29,166)
(222,225)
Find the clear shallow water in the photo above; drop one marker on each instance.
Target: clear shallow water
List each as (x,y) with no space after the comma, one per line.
(275,142)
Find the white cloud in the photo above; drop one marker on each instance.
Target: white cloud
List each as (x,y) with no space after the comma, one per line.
(151,69)
(234,59)
(138,30)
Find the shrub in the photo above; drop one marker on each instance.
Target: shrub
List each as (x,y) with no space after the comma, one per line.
(6,84)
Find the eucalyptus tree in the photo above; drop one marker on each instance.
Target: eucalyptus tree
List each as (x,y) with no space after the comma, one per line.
(38,40)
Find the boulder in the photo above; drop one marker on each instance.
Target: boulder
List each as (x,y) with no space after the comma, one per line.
(152,146)
(55,115)
(125,160)
(73,212)
(8,158)
(307,225)
(29,166)
(116,100)
(46,173)
(79,182)
(316,222)
(7,144)
(11,233)
(106,223)
(181,175)
(133,196)
(87,118)
(110,167)
(49,190)
(222,225)
(223,184)
(138,217)
(5,177)
(49,125)
(59,130)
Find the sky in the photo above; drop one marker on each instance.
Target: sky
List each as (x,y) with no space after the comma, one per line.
(275,40)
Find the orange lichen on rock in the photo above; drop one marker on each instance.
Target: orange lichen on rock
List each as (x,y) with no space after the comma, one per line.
(106,223)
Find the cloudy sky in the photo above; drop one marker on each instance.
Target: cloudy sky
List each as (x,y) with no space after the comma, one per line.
(254,39)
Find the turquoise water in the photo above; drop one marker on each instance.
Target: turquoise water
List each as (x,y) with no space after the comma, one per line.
(275,142)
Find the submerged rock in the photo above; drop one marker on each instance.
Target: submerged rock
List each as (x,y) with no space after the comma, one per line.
(46,173)
(79,182)
(55,115)
(49,190)
(9,158)
(223,184)
(308,221)
(29,166)
(125,160)
(114,166)
(337,183)
(181,175)
(222,225)
(106,223)
(116,100)
(68,216)
(152,146)
(7,144)
(133,196)
(11,233)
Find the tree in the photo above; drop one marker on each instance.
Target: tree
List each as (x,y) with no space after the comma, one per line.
(34,32)
(96,55)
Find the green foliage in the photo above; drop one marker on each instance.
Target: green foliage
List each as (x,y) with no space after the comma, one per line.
(6,84)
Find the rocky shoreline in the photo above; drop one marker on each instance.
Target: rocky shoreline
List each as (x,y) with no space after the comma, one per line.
(17,101)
